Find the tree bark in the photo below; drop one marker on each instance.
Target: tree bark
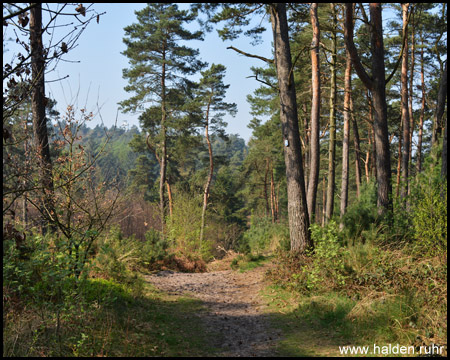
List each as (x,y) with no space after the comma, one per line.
(266,195)
(314,164)
(332,144)
(38,102)
(273,198)
(422,111)
(324,200)
(297,208)
(442,95)
(377,85)
(211,171)
(444,154)
(405,106)
(356,141)
(373,154)
(346,138)
(162,173)
(410,93)
(399,160)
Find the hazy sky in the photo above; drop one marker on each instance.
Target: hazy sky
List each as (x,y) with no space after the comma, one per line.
(97,78)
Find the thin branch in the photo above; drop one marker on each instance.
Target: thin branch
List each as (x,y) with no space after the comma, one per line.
(262,81)
(270,61)
(21,11)
(405,39)
(50,81)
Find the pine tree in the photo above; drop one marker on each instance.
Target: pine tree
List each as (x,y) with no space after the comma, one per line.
(210,96)
(377,85)
(159,65)
(315,114)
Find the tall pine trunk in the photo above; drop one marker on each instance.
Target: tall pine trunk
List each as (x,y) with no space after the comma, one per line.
(356,141)
(297,208)
(442,95)
(422,111)
(410,93)
(405,106)
(346,138)
(162,172)
(377,85)
(210,174)
(332,143)
(315,115)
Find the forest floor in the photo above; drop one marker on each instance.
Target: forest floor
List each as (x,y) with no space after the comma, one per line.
(234,315)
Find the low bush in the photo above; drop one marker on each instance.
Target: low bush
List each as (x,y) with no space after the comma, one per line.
(264,236)
(382,282)
(361,215)
(429,214)
(183,228)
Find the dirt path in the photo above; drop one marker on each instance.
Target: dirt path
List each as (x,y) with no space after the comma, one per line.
(234,316)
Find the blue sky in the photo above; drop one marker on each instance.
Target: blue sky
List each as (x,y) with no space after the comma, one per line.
(97,78)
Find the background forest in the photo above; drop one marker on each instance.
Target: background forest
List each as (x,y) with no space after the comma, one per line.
(87,210)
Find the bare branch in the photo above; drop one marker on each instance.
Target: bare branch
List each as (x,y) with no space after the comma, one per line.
(270,61)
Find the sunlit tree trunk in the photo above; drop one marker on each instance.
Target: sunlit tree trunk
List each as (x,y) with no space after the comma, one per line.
(377,85)
(346,138)
(332,143)
(297,208)
(442,95)
(422,111)
(356,141)
(405,105)
(315,114)
(410,93)
(210,174)
(163,170)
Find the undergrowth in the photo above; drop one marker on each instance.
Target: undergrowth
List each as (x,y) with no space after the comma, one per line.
(380,281)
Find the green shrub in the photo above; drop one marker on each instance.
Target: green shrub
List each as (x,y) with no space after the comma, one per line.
(328,255)
(265,236)
(361,215)
(153,250)
(37,271)
(429,217)
(183,228)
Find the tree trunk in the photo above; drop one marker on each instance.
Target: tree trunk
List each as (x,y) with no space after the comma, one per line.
(38,102)
(324,201)
(306,154)
(266,195)
(314,164)
(332,144)
(367,162)
(405,105)
(272,197)
(373,154)
(162,173)
(210,174)
(442,95)
(297,208)
(346,136)
(357,150)
(377,85)
(410,93)
(399,161)
(444,154)
(422,112)
(169,195)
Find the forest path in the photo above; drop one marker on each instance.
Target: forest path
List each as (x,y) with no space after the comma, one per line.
(234,315)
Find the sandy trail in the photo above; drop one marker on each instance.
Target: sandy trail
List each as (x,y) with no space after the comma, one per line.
(234,316)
